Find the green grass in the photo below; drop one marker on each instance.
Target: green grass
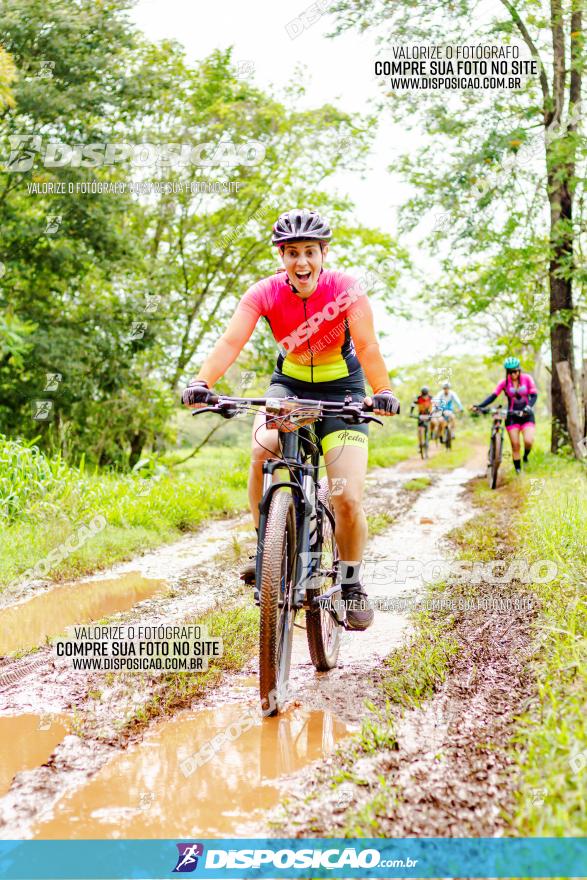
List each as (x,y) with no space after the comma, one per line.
(392,442)
(417,484)
(548,522)
(45,502)
(415,670)
(379,522)
(368,819)
(467,434)
(553,735)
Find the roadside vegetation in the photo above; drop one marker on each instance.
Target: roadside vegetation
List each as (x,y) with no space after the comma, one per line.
(541,516)
(46,501)
(553,735)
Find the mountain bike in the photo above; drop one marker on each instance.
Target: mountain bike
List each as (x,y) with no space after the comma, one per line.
(297,556)
(495,452)
(423,433)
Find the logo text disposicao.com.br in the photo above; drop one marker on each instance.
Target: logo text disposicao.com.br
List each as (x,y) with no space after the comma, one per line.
(332,859)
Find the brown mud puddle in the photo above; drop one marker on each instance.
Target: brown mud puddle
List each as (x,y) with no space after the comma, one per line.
(158,789)
(27,741)
(29,623)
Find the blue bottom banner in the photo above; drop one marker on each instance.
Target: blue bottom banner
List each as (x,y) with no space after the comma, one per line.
(306,858)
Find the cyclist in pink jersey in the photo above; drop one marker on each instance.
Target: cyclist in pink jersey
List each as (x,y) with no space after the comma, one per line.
(521,393)
(323,324)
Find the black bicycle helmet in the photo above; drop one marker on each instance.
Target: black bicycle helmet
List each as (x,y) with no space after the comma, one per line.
(300,225)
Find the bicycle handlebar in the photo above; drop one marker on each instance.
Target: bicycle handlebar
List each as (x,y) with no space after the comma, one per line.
(490,410)
(351,409)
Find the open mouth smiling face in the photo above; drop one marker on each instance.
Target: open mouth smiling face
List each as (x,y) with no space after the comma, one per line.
(303,262)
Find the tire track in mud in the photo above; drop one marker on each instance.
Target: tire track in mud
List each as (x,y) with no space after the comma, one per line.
(335,697)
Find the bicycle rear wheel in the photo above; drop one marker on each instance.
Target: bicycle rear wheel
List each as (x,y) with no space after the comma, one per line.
(276,594)
(447,436)
(322,631)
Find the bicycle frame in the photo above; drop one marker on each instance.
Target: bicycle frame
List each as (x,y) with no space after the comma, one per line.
(498,414)
(497,428)
(302,489)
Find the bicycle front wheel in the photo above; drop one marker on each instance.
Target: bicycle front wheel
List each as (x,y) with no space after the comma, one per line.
(494,460)
(421,443)
(447,436)
(322,631)
(276,601)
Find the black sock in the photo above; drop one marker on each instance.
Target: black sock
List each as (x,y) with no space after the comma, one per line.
(350,573)
(517,464)
(526,454)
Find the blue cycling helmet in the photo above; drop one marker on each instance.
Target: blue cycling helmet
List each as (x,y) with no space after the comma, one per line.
(512,363)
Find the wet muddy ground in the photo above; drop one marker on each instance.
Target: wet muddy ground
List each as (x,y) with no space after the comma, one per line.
(85,780)
(451,773)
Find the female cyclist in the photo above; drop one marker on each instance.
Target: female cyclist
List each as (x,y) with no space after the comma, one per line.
(323,323)
(520,390)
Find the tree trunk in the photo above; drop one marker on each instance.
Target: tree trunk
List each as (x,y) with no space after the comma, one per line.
(560,162)
(137,441)
(561,299)
(570,401)
(584,396)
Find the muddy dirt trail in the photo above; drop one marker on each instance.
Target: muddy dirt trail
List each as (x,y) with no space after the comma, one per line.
(64,771)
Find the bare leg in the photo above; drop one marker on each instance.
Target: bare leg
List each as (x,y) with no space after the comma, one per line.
(349,464)
(514,435)
(265,445)
(528,432)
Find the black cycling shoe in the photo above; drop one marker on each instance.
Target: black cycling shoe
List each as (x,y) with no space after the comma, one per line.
(247,575)
(359,611)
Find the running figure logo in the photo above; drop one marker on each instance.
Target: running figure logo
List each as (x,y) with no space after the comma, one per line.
(187,860)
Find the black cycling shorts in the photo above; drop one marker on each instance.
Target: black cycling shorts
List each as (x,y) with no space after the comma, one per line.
(332,431)
(517,419)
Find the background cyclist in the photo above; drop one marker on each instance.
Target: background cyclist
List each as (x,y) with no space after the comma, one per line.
(425,406)
(521,393)
(446,400)
(323,323)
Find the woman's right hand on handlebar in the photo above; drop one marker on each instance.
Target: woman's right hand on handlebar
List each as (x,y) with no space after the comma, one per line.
(196,395)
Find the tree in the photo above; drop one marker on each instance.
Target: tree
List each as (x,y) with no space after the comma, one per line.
(120,293)
(482,166)
(62,254)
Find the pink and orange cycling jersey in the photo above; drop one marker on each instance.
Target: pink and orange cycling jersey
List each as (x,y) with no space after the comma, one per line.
(325,337)
(518,397)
